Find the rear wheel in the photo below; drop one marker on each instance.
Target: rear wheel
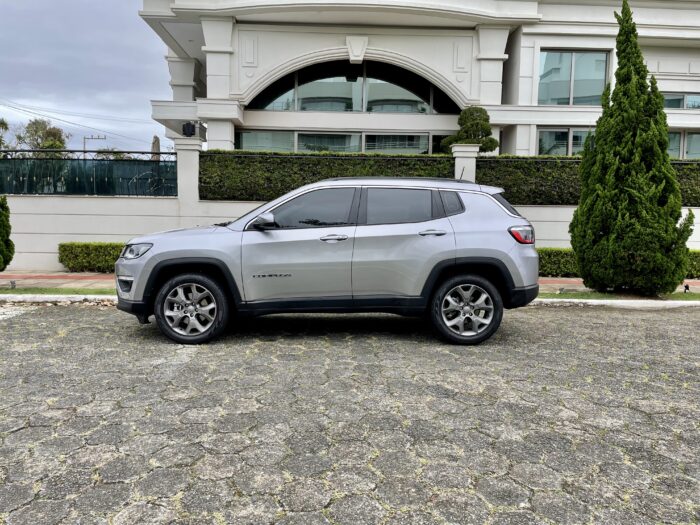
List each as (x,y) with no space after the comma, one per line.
(466,309)
(191,309)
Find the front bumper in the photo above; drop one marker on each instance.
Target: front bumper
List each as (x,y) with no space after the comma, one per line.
(520,297)
(137,308)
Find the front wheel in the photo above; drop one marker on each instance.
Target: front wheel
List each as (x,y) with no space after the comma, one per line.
(191,309)
(466,310)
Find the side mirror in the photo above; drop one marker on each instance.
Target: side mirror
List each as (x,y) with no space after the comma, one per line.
(265,221)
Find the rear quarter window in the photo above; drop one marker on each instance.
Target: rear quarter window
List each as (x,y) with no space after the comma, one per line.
(452,202)
(507,205)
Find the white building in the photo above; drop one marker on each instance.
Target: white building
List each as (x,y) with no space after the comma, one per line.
(390,75)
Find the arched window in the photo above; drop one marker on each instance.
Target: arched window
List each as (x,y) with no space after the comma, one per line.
(373,87)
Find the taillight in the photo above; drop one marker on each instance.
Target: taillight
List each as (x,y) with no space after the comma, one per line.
(523,234)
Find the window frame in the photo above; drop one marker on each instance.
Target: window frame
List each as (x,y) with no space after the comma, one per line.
(572,76)
(569,141)
(685,99)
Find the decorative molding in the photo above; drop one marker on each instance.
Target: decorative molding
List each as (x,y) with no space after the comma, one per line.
(249,50)
(357,46)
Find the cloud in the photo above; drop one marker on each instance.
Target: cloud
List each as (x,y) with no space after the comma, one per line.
(84,57)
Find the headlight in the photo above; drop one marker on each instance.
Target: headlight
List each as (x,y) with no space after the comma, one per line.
(134,251)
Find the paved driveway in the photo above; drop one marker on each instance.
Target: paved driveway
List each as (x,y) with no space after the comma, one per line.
(569,415)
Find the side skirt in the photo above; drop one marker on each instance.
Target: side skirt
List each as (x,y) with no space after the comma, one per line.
(409,306)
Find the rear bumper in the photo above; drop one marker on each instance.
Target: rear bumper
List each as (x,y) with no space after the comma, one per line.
(137,308)
(520,297)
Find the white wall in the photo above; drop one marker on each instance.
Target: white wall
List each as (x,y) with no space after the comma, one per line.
(40,223)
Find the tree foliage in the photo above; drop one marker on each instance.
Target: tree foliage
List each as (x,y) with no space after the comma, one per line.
(41,134)
(474,128)
(627,231)
(7,247)
(4,128)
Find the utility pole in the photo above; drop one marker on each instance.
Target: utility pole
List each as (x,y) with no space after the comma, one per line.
(91,137)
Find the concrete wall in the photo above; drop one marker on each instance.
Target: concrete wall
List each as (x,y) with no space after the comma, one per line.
(40,223)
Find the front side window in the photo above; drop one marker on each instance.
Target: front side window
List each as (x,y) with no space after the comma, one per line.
(572,78)
(317,209)
(398,205)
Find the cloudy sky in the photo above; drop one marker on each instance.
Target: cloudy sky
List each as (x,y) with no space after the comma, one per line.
(93,63)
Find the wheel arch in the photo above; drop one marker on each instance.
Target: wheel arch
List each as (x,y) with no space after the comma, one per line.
(212,268)
(489,268)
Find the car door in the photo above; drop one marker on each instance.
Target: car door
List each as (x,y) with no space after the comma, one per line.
(402,234)
(309,253)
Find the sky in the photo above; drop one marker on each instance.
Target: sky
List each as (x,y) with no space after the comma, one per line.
(93,63)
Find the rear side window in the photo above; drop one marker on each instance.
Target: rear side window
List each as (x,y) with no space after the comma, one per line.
(452,202)
(398,205)
(317,209)
(507,205)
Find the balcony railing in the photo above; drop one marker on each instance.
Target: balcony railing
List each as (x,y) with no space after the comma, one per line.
(54,172)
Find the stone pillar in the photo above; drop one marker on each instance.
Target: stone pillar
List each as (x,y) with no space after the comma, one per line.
(218,39)
(188,149)
(492,55)
(465,161)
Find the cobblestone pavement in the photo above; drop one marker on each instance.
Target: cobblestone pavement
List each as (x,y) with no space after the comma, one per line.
(569,415)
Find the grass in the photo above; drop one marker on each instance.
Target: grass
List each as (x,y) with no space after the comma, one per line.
(59,291)
(610,296)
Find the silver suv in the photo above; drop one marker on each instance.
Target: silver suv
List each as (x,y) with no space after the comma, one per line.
(456,251)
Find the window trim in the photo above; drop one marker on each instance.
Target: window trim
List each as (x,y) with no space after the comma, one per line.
(572,78)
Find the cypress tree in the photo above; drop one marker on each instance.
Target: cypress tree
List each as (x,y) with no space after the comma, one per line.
(7,247)
(627,232)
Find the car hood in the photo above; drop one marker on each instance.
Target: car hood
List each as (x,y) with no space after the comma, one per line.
(173,234)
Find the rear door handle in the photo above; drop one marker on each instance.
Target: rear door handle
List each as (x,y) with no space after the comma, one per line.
(334,238)
(434,233)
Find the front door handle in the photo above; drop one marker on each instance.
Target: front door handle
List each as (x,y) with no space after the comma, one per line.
(434,233)
(334,238)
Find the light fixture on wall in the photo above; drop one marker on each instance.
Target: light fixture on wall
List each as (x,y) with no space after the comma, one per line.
(189,129)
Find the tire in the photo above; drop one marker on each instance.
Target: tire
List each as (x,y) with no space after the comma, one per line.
(191,322)
(469,316)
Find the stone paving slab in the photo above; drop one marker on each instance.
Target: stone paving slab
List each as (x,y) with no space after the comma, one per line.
(568,415)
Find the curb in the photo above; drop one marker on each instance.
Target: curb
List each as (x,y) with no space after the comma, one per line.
(631,304)
(628,304)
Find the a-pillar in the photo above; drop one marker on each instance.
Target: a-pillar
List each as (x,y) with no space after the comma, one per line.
(492,55)
(465,161)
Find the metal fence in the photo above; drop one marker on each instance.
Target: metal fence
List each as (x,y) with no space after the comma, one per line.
(53,172)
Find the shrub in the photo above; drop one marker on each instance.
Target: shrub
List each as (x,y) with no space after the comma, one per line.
(558,262)
(627,231)
(7,247)
(255,176)
(474,128)
(89,256)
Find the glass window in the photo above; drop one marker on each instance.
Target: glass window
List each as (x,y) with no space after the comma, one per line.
(553,142)
(437,143)
(555,78)
(589,78)
(674,144)
(330,86)
(330,142)
(394,206)
(578,140)
(673,100)
(392,89)
(692,147)
(587,70)
(277,97)
(452,202)
(692,102)
(265,140)
(317,209)
(409,144)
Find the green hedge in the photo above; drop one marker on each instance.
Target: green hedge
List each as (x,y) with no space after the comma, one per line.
(261,176)
(561,262)
(101,256)
(89,256)
(256,176)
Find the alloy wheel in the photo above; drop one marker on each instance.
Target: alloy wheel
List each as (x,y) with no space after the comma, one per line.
(467,310)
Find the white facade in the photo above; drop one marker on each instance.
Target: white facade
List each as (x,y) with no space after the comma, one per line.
(500,54)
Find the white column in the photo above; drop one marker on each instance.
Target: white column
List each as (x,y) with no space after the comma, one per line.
(492,55)
(465,161)
(188,149)
(183,77)
(218,39)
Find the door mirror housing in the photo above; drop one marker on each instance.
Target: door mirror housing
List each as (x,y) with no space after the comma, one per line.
(265,221)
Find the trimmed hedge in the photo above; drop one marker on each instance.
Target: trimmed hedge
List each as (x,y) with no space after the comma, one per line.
(262,176)
(89,256)
(101,256)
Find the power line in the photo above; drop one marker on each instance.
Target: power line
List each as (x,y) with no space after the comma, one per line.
(37,114)
(91,116)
